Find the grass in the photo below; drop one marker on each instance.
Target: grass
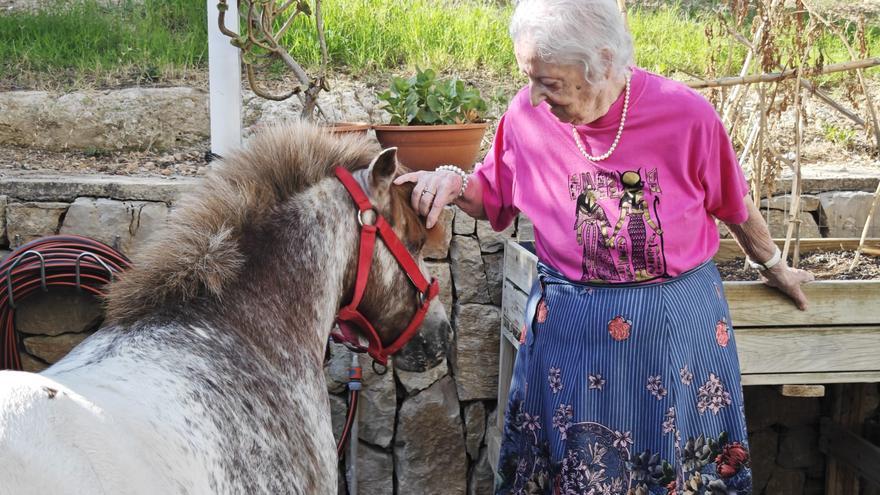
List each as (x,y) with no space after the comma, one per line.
(86,41)
(163,40)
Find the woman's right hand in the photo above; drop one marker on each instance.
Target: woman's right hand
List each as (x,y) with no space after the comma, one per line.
(432,192)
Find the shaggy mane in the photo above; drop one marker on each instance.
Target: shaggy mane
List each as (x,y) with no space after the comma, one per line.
(198,253)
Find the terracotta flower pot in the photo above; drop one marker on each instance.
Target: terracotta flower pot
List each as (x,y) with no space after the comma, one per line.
(348,127)
(424,147)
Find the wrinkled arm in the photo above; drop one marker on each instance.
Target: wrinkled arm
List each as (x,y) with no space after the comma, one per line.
(472,200)
(754,238)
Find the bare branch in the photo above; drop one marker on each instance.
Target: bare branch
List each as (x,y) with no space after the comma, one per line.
(319,25)
(222,6)
(786,74)
(260,42)
(252,82)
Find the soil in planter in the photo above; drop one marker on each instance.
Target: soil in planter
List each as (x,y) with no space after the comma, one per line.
(830,265)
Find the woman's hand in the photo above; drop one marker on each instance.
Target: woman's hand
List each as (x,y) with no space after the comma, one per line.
(432,192)
(788,281)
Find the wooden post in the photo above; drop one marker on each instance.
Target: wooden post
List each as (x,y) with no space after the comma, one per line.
(224,80)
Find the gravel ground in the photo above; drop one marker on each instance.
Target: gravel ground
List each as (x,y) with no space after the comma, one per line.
(182,162)
(832,265)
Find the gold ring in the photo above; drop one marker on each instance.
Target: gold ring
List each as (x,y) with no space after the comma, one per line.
(428,192)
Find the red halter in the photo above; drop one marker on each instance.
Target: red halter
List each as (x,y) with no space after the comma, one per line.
(349,318)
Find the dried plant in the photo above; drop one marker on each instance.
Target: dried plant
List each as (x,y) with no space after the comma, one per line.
(781,58)
(264,23)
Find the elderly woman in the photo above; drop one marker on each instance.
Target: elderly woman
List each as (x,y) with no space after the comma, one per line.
(628,379)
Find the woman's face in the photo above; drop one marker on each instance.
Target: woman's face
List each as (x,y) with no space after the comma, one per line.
(562,86)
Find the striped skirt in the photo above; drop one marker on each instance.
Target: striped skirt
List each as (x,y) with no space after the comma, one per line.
(626,389)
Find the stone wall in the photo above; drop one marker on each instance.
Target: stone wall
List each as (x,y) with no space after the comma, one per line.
(154,118)
(418,432)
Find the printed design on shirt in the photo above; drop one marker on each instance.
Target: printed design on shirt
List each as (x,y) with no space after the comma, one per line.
(617,225)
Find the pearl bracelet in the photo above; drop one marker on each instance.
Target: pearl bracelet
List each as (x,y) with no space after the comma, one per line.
(461,173)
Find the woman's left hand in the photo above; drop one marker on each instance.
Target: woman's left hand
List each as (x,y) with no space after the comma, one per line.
(788,281)
(433,191)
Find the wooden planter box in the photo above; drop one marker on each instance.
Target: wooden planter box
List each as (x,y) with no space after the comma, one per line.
(836,341)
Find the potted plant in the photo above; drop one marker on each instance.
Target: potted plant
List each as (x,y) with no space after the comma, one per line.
(433,121)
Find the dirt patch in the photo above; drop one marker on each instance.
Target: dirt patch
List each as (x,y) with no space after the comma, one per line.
(182,162)
(831,265)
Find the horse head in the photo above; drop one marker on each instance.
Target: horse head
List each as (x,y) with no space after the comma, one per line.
(392,293)
(271,244)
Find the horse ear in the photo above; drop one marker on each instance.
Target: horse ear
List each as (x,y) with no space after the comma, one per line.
(383,168)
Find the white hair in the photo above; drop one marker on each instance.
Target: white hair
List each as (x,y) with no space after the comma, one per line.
(576,31)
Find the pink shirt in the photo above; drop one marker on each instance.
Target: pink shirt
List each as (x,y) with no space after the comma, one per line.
(646,212)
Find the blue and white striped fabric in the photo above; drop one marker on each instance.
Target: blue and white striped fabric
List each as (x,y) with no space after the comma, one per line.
(626,389)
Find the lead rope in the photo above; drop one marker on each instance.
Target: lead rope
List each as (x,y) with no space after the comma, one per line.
(354,385)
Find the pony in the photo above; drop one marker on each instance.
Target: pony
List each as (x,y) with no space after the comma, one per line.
(207,375)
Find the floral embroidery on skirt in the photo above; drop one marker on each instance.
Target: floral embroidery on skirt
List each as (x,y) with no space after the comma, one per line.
(629,390)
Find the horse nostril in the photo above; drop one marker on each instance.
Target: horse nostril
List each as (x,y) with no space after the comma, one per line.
(51,392)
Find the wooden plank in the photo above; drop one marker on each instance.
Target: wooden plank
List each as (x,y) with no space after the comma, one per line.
(730,250)
(806,350)
(513,309)
(832,302)
(870,251)
(796,378)
(802,390)
(849,408)
(520,265)
(493,444)
(506,360)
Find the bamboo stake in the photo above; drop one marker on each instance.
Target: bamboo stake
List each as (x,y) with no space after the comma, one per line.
(758,172)
(793,221)
(830,102)
(754,128)
(862,247)
(786,74)
(621,4)
(734,97)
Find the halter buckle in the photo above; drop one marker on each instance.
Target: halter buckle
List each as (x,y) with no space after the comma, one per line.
(373,220)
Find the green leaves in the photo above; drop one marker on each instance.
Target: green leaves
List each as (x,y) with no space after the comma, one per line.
(425,100)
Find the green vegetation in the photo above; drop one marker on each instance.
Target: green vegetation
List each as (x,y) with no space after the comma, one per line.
(134,41)
(157,40)
(423,99)
(838,135)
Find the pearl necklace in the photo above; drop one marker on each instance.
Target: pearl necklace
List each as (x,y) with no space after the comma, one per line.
(580,145)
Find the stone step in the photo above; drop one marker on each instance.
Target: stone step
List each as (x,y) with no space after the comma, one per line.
(154,118)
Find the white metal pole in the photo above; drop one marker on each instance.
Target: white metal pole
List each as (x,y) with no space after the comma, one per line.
(224,80)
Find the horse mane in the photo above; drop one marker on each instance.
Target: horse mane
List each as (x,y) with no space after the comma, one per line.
(198,254)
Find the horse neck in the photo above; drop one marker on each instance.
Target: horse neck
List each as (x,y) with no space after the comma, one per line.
(296,282)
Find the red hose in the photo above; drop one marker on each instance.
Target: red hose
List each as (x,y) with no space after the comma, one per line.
(50,262)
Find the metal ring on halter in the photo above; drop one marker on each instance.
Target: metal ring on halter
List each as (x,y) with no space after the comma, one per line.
(380,373)
(100,262)
(361,217)
(15,263)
